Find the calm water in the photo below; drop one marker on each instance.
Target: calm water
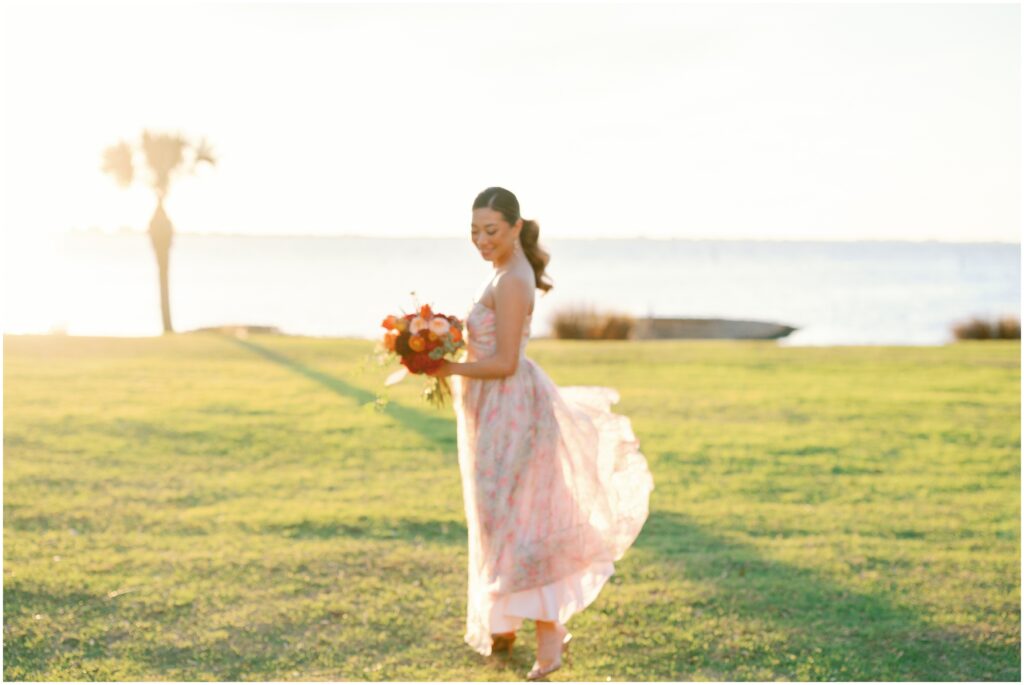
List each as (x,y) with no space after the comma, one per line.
(835,293)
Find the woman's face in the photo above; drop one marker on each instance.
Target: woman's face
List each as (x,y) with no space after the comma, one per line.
(493,236)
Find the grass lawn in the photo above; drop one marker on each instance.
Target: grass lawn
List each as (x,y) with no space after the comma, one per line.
(200,507)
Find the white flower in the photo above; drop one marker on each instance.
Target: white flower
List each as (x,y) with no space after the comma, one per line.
(417,325)
(439,325)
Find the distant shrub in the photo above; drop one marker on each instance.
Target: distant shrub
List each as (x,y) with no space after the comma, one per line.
(977,328)
(583,322)
(1008,327)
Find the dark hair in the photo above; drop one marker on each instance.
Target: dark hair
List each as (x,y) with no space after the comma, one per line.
(506,203)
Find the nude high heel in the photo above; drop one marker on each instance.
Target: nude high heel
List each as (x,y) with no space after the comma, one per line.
(536,673)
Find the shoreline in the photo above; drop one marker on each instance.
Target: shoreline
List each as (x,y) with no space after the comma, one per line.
(778,342)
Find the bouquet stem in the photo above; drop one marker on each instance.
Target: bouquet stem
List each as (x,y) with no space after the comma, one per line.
(437,391)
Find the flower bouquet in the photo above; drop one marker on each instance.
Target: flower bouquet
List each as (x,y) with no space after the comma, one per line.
(420,341)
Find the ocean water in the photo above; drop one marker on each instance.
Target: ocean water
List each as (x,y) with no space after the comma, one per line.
(834,293)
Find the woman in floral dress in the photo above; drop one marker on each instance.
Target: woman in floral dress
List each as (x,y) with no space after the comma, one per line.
(555,487)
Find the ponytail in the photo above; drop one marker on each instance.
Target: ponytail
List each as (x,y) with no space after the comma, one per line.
(537,256)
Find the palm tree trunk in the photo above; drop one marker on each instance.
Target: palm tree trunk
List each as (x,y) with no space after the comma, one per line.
(162,259)
(160,235)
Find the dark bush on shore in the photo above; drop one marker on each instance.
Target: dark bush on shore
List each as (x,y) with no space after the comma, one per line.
(977,328)
(586,323)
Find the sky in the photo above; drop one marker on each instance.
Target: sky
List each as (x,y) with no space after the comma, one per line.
(727,121)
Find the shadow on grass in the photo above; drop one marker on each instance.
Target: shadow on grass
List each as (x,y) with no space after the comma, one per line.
(752,615)
(850,635)
(365,527)
(102,643)
(98,638)
(820,630)
(437,429)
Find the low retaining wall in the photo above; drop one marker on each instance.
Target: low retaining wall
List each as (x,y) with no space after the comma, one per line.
(657,328)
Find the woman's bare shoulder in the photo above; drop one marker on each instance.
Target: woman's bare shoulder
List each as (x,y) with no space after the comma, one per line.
(517,286)
(515,280)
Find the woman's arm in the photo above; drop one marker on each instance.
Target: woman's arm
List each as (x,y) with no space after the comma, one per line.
(512,296)
(491,367)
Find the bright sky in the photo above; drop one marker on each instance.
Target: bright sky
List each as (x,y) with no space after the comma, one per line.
(730,121)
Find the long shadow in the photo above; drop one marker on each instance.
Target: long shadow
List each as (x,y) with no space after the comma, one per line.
(437,429)
(828,631)
(754,615)
(371,528)
(103,643)
(850,635)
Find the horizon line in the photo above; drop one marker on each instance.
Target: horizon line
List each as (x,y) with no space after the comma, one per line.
(224,234)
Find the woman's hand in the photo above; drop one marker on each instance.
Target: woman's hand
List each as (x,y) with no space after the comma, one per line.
(441,371)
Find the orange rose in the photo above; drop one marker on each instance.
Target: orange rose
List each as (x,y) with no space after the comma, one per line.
(417,344)
(389,322)
(425,312)
(389,339)
(455,333)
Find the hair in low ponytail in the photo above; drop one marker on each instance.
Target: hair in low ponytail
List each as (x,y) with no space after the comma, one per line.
(538,257)
(506,203)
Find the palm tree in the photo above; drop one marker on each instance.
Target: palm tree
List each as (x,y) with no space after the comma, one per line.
(167,156)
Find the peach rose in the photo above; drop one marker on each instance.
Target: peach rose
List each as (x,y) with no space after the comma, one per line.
(417,325)
(439,325)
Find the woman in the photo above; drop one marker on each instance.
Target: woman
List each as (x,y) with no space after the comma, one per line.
(555,488)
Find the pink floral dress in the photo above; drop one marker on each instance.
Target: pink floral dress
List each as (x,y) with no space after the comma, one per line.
(554,486)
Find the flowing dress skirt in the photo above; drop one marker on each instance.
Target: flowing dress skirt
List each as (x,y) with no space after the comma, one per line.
(555,490)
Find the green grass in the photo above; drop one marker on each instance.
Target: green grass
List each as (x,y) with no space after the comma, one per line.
(197,507)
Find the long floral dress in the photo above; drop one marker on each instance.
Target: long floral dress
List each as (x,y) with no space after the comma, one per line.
(554,486)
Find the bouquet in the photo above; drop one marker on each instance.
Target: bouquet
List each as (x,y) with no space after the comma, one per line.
(421,341)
